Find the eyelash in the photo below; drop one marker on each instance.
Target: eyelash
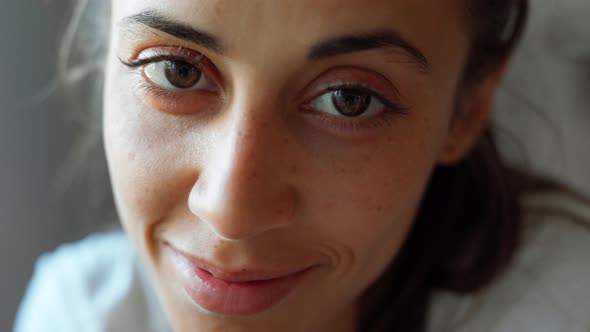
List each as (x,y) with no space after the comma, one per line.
(393,106)
(174,98)
(170,101)
(161,55)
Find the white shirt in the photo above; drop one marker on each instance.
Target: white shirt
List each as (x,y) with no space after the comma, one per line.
(96,285)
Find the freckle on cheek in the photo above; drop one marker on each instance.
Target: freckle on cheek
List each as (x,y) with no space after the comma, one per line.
(329,205)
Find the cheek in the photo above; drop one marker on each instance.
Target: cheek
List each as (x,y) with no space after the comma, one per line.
(365,202)
(367,207)
(359,208)
(147,161)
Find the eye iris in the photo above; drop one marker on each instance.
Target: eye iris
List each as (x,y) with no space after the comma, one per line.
(351,102)
(181,74)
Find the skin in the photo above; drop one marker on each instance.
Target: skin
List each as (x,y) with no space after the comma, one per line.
(247,180)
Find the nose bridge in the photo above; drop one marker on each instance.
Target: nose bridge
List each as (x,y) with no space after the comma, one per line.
(250,143)
(240,192)
(250,154)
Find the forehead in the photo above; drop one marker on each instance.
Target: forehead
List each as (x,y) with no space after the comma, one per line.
(283,25)
(295,9)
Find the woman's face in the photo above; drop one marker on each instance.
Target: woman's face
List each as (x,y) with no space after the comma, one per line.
(268,157)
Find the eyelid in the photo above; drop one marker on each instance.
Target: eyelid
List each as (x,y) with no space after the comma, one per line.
(156,53)
(174,53)
(177,102)
(143,62)
(394,105)
(354,78)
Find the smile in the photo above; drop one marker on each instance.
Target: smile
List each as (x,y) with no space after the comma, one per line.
(233,293)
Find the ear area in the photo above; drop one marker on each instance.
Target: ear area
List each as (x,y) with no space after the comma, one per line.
(471,118)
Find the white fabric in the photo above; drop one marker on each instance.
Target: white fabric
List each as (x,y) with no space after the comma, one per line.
(547,287)
(95,285)
(542,112)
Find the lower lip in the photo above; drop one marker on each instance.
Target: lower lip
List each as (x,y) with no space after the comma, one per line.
(232,298)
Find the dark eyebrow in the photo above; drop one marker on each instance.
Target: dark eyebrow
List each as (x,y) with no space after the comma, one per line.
(332,47)
(157,21)
(367,41)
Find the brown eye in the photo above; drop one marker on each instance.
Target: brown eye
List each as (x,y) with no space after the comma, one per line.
(181,75)
(350,102)
(177,75)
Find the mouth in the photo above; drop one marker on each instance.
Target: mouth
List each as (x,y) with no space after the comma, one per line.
(241,291)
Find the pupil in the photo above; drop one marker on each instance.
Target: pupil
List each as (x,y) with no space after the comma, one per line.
(350,102)
(181,74)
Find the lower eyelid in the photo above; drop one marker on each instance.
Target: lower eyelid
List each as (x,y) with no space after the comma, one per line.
(179,103)
(351,128)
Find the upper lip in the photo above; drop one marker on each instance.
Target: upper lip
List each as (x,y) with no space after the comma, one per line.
(237,275)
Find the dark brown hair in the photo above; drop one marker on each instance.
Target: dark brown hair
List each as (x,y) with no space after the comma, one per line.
(469,223)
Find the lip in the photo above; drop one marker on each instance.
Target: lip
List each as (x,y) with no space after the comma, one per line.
(237,292)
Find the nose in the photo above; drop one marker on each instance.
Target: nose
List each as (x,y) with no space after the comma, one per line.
(242,190)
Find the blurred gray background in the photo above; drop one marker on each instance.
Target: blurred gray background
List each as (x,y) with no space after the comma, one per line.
(544,113)
(35,138)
